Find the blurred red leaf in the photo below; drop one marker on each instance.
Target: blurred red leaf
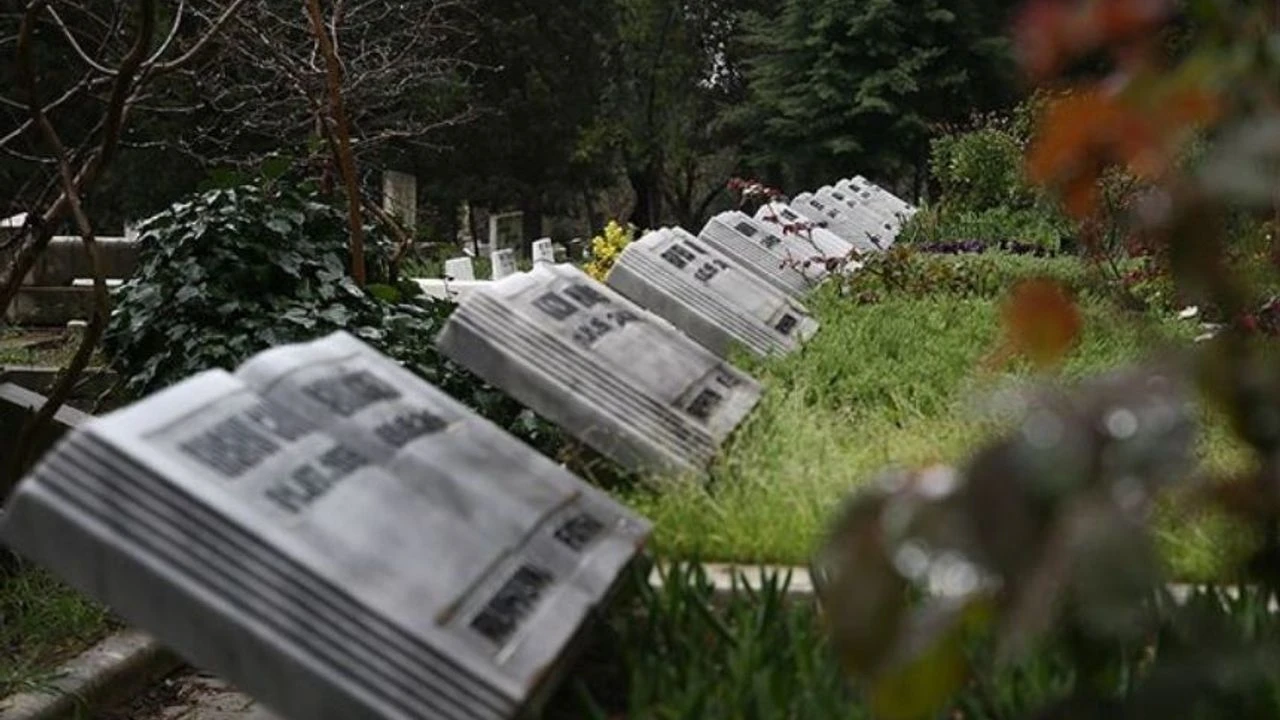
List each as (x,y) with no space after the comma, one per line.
(1050,34)
(1042,321)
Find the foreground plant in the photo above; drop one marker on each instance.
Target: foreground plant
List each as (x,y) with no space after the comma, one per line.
(1041,540)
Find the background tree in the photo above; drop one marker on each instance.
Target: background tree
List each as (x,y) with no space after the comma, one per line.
(838,87)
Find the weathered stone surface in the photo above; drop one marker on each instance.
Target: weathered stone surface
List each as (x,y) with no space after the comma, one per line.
(782,217)
(332,535)
(49,306)
(503,263)
(543,251)
(708,296)
(784,260)
(459,269)
(863,232)
(65,259)
(615,376)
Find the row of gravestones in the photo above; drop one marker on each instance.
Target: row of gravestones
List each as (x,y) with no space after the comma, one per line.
(340,539)
(638,367)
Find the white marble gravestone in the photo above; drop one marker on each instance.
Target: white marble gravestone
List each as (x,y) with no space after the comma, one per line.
(885,229)
(400,197)
(828,244)
(543,251)
(459,268)
(846,195)
(617,377)
(506,230)
(878,195)
(333,535)
(783,260)
(708,296)
(503,262)
(861,233)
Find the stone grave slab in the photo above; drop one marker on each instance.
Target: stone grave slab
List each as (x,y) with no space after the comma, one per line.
(708,296)
(891,202)
(856,230)
(855,201)
(459,268)
(883,228)
(400,197)
(543,251)
(503,263)
(332,535)
(784,260)
(615,376)
(782,216)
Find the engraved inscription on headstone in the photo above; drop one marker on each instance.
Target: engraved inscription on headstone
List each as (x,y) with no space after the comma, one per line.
(333,535)
(400,197)
(459,269)
(615,376)
(861,206)
(783,260)
(868,190)
(503,262)
(788,222)
(883,228)
(708,296)
(861,234)
(543,251)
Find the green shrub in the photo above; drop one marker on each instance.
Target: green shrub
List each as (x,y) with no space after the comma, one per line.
(981,169)
(1036,226)
(234,271)
(905,272)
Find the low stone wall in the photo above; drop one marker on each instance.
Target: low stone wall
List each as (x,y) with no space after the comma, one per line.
(50,295)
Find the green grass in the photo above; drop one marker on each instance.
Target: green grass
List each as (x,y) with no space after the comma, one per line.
(42,622)
(39,347)
(899,383)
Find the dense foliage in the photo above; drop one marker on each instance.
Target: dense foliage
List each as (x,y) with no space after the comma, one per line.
(231,272)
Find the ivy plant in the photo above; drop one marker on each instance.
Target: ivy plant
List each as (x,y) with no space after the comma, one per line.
(233,271)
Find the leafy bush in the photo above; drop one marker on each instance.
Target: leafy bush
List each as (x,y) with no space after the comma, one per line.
(905,271)
(981,169)
(606,248)
(1036,226)
(234,271)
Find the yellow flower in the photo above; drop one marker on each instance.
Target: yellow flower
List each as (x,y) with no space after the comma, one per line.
(606,248)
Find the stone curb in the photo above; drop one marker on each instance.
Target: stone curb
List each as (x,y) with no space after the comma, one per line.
(110,671)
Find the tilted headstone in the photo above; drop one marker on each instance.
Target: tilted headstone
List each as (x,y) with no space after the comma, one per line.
(543,251)
(506,230)
(862,234)
(783,260)
(708,296)
(854,200)
(883,229)
(400,197)
(617,377)
(893,203)
(332,535)
(504,263)
(459,268)
(790,223)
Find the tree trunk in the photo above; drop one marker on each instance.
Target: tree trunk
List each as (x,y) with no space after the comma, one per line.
(647,212)
(593,216)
